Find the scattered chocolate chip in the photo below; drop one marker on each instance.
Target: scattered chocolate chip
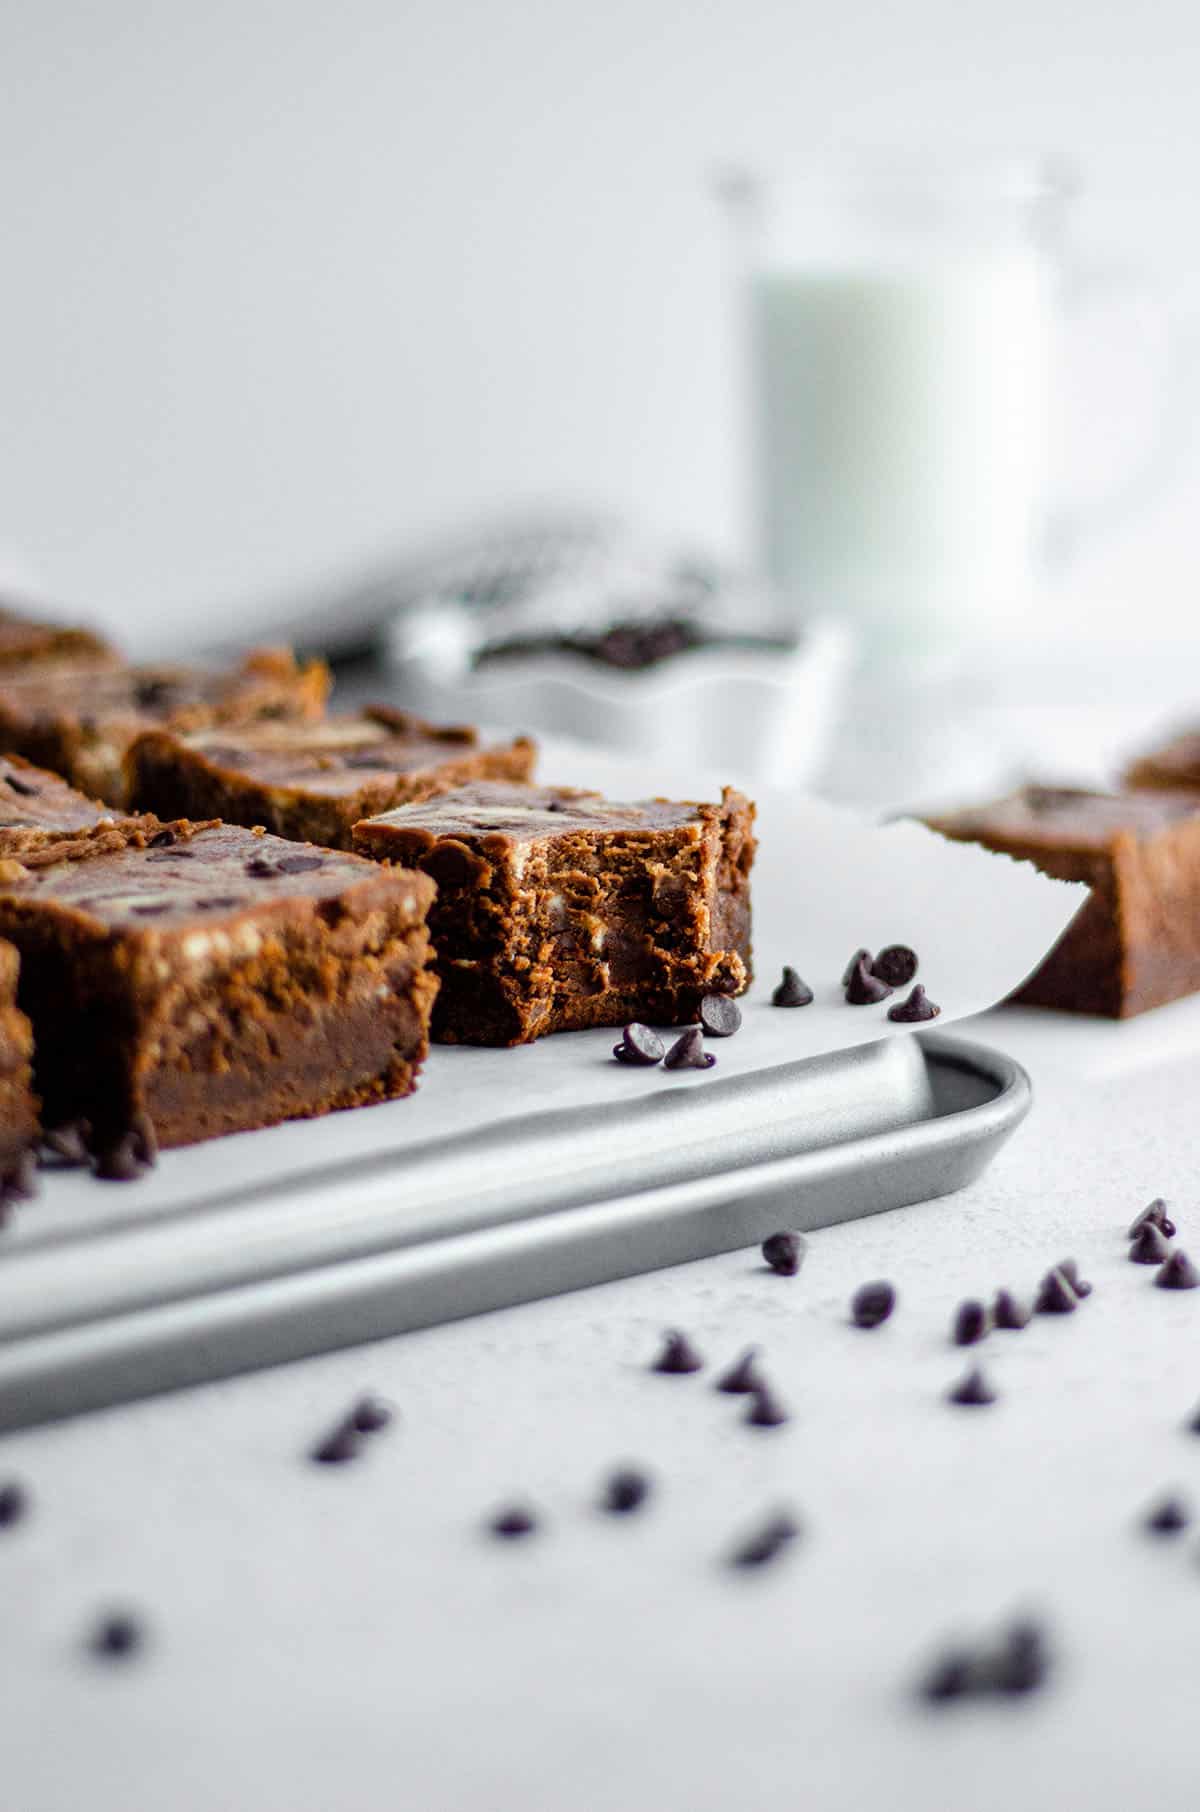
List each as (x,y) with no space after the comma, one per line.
(688,1052)
(339,1445)
(743,1375)
(896,965)
(785,1252)
(1009,1312)
(1070,1271)
(951,1676)
(767,1541)
(162,839)
(792,992)
(915,1009)
(872,1303)
(972,1389)
(116,1637)
(678,1355)
(626,1490)
(970,1323)
(1168,1517)
(370,1414)
(1149,1245)
(856,961)
(1179,1273)
(1156,1213)
(14,1502)
(720,1016)
(765,1411)
(128,1157)
(639,1045)
(68,1143)
(1055,1295)
(299,865)
(514,1521)
(1019,1663)
(863,989)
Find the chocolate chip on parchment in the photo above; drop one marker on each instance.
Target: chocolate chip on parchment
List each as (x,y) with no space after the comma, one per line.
(972,1390)
(915,1009)
(1009,1312)
(970,1323)
(625,1490)
(68,1142)
(743,1375)
(1070,1271)
(14,1502)
(688,1052)
(1169,1516)
(792,992)
(872,1303)
(856,961)
(1156,1213)
(116,1636)
(639,1045)
(342,1443)
(1193,1422)
(513,1522)
(785,1252)
(1179,1273)
(951,1676)
(765,1411)
(371,1413)
(766,1542)
(1055,1295)
(896,965)
(678,1355)
(1019,1662)
(128,1156)
(863,989)
(1149,1245)
(720,1016)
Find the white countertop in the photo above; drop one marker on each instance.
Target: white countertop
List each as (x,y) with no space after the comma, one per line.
(346,1639)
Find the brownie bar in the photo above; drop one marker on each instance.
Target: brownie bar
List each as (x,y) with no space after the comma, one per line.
(26,641)
(18,1104)
(313,782)
(202,979)
(557,909)
(39,811)
(1173,765)
(1136,942)
(80,720)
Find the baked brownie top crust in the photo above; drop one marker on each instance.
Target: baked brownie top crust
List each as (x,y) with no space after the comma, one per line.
(141,697)
(527,814)
(340,755)
(1056,818)
(32,799)
(183,876)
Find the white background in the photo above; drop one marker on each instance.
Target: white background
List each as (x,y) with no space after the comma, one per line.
(286,286)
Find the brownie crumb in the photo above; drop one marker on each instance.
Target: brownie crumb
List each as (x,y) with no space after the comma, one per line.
(1156,1213)
(743,1375)
(1179,1273)
(863,989)
(970,1323)
(14,1503)
(767,1542)
(896,965)
(370,1414)
(765,1411)
(639,1045)
(514,1521)
(1149,1245)
(626,1490)
(1170,1516)
(972,1390)
(872,1303)
(116,1636)
(720,1016)
(678,1355)
(1009,1312)
(785,1252)
(915,1009)
(792,992)
(1055,1295)
(688,1052)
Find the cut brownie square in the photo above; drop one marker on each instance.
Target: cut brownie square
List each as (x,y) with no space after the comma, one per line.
(313,782)
(39,810)
(1136,942)
(1173,765)
(557,909)
(27,640)
(18,1103)
(80,720)
(202,979)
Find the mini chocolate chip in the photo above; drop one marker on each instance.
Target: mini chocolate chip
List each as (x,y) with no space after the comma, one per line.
(68,1143)
(915,1009)
(342,1443)
(14,1502)
(766,1542)
(161,839)
(765,1411)
(370,1414)
(1179,1273)
(22,787)
(720,1016)
(299,865)
(688,1052)
(639,1045)
(122,1161)
(626,1490)
(1150,1245)
(743,1375)
(1070,1271)
(872,1303)
(896,965)
(970,1323)
(863,990)
(785,1252)
(1055,1295)
(1009,1312)
(792,992)
(1156,1213)
(678,1355)
(951,1676)
(514,1521)
(972,1389)
(856,961)
(116,1637)
(1170,1516)
(1020,1662)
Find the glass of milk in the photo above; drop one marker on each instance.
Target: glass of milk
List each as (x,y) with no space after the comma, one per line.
(901,331)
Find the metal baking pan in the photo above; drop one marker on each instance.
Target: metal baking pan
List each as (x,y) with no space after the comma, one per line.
(93,1314)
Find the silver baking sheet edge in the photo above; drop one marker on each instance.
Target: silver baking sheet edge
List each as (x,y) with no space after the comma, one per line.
(979,1097)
